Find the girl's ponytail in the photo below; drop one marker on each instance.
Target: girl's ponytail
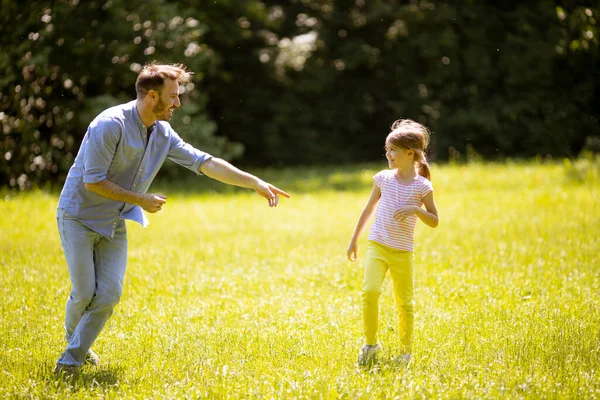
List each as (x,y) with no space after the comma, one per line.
(424,170)
(423,165)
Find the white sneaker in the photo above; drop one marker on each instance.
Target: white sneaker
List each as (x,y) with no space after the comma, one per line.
(91,358)
(368,354)
(403,360)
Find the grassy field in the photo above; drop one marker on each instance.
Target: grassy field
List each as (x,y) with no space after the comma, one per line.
(226,298)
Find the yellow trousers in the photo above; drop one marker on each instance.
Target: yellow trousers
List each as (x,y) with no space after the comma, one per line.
(380,258)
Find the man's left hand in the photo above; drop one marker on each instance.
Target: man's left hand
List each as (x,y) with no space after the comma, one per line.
(270,192)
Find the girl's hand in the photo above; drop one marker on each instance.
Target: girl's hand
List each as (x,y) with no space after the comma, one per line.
(403,212)
(352,251)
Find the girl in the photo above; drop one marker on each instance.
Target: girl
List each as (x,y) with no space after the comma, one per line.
(403,189)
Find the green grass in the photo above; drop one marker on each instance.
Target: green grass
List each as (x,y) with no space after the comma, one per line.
(226,298)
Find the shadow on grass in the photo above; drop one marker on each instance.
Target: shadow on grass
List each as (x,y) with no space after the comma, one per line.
(384,366)
(103,377)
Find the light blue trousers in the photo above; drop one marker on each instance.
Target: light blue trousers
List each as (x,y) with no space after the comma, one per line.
(96,268)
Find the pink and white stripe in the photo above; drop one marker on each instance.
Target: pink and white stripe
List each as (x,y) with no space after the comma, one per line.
(385,229)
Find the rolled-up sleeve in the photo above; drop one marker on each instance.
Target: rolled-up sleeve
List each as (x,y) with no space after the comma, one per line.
(101,142)
(185,154)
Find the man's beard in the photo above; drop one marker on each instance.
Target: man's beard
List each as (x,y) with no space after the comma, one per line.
(161,111)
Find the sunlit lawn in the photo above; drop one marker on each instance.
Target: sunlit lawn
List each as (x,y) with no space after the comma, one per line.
(226,298)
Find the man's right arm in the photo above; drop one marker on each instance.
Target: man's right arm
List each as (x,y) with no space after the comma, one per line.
(110,190)
(102,139)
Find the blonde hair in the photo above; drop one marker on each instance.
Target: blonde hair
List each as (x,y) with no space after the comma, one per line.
(153,76)
(408,134)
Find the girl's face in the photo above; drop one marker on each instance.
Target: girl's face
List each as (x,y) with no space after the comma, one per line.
(397,156)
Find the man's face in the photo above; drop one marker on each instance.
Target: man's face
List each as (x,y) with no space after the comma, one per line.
(168,101)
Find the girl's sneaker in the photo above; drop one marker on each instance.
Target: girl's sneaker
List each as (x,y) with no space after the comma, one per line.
(368,354)
(403,360)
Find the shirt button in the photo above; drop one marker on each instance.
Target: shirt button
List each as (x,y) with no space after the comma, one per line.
(134,185)
(140,170)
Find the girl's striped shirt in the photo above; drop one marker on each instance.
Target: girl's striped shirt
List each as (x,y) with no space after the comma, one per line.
(385,229)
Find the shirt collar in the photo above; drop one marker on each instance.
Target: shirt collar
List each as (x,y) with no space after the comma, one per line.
(138,120)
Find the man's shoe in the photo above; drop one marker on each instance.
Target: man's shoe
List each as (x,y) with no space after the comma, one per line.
(92,358)
(368,354)
(66,371)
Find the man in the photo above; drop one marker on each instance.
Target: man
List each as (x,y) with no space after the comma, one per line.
(121,153)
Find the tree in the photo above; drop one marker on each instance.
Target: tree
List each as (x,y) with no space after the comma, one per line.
(65,61)
(303,82)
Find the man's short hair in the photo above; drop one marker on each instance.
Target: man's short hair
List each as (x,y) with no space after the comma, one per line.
(153,76)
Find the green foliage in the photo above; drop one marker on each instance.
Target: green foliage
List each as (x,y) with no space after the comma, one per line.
(504,80)
(67,60)
(303,82)
(226,298)
(585,169)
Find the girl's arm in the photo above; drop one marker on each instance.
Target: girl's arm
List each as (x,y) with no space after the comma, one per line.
(429,216)
(364,218)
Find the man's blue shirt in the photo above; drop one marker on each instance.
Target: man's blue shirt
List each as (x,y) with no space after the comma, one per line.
(116,147)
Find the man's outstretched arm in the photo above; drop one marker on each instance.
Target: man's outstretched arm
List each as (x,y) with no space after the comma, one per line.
(223,171)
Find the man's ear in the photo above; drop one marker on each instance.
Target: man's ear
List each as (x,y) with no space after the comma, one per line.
(153,94)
